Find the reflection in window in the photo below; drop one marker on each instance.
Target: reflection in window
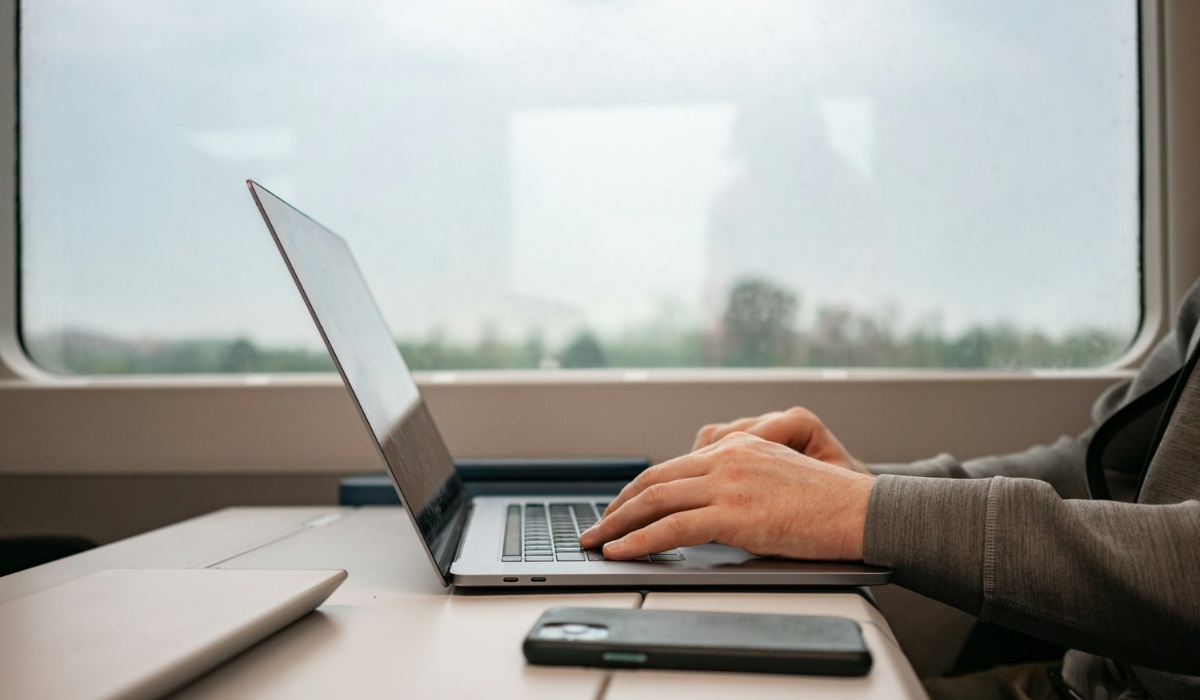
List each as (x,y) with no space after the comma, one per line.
(572,184)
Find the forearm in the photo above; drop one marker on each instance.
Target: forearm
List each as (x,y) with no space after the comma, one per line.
(1059,464)
(943,466)
(1113,579)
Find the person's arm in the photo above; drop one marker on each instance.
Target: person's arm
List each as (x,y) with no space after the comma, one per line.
(1114,579)
(1110,578)
(1059,464)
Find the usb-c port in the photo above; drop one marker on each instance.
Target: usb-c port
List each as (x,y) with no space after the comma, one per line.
(510,579)
(538,579)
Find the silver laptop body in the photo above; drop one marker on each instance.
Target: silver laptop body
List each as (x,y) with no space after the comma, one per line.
(486,541)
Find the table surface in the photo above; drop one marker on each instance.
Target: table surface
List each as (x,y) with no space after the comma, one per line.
(393,629)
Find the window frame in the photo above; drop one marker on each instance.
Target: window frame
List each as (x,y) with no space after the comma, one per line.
(305,424)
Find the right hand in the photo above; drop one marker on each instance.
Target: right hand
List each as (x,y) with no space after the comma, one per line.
(797,428)
(742,491)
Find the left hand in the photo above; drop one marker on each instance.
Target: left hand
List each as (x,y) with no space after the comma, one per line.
(742,491)
(797,427)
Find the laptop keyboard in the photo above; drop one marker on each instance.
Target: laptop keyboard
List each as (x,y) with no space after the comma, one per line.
(549,532)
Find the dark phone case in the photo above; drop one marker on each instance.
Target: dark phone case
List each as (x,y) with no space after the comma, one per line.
(703,641)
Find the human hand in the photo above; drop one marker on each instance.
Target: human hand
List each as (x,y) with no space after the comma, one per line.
(797,428)
(742,491)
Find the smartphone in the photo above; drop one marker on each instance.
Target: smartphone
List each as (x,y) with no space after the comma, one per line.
(698,641)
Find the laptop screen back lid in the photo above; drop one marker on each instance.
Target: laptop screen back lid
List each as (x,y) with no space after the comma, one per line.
(374,371)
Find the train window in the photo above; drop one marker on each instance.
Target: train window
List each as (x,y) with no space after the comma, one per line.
(672,183)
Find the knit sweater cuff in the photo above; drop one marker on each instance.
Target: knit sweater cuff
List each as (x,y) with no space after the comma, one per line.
(931,533)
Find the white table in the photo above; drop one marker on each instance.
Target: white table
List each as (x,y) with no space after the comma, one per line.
(393,630)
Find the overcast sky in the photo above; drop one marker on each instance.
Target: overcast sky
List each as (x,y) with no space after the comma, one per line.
(565,164)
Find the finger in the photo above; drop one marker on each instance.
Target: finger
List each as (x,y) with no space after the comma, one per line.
(682,529)
(801,430)
(703,436)
(653,503)
(678,468)
(715,431)
(785,430)
(743,425)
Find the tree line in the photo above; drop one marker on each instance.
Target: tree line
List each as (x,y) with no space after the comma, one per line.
(759,327)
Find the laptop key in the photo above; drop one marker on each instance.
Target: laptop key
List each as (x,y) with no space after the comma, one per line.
(571,556)
(509,557)
(539,558)
(584,511)
(595,555)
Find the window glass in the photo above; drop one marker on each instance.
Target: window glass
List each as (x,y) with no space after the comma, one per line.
(537,184)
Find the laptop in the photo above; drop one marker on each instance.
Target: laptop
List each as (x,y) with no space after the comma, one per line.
(484,541)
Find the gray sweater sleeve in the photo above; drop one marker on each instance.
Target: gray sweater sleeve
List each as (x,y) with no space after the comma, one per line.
(1059,464)
(1104,577)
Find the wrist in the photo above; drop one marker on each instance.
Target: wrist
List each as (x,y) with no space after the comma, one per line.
(856,516)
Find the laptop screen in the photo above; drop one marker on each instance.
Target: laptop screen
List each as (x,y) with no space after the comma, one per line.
(374,371)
